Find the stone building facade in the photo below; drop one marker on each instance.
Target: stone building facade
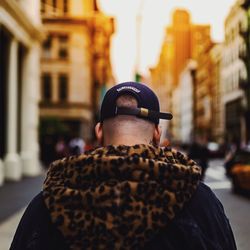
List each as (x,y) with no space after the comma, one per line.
(203,91)
(75,66)
(233,74)
(186,102)
(20,37)
(184,41)
(215,54)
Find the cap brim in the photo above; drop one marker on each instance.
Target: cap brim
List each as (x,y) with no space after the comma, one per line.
(144,113)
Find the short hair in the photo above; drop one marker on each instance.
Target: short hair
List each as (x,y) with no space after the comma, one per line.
(126,101)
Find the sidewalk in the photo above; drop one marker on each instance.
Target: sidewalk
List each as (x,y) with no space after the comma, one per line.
(14,197)
(8,228)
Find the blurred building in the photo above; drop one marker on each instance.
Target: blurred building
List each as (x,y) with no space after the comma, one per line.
(188,40)
(161,80)
(102,28)
(217,132)
(20,35)
(75,65)
(183,41)
(233,74)
(176,111)
(180,32)
(186,87)
(200,39)
(203,91)
(245,82)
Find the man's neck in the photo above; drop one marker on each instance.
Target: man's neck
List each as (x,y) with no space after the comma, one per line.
(128,141)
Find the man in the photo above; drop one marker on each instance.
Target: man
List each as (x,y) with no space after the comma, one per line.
(127,194)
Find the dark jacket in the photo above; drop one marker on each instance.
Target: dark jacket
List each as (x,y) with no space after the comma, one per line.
(158,206)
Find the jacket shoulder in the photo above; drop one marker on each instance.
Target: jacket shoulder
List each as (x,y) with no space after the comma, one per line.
(35,229)
(202,224)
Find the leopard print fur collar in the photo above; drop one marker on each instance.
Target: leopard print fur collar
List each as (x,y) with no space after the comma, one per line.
(118,197)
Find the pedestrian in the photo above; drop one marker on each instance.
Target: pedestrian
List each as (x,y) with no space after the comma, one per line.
(61,148)
(129,193)
(48,153)
(76,146)
(198,151)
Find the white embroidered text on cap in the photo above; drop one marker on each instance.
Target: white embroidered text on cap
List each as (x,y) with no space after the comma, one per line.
(128,87)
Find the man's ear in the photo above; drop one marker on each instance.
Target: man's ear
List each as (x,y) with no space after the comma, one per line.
(157,135)
(99,133)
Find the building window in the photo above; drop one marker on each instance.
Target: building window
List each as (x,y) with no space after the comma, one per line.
(43,3)
(54,5)
(65,6)
(63,88)
(63,47)
(46,88)
(47,47)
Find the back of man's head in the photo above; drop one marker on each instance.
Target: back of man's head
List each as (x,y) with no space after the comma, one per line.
(130,114)
(127,128)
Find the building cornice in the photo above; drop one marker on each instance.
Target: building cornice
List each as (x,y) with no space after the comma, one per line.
(64,20)
(13,9)
(67,110)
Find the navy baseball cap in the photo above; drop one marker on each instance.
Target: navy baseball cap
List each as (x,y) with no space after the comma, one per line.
(148,104)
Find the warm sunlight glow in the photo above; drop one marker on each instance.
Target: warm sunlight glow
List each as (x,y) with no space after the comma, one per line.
(149,18)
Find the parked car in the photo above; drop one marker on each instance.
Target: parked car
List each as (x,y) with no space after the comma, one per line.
(238,168)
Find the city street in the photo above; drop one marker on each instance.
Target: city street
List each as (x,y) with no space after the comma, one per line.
(67,65)
(15,196)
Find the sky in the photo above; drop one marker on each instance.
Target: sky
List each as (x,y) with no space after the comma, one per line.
(140,28)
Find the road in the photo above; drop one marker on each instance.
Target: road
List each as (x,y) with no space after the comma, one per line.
(15,196)
(237,207)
